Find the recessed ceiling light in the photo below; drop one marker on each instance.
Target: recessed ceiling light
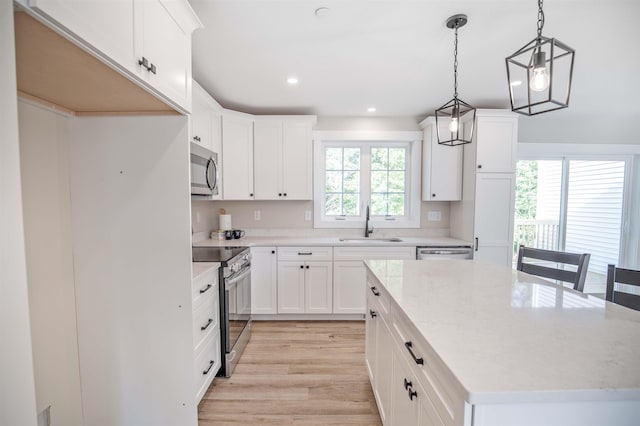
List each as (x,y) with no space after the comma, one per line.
(292,80)
(371,109)
(516,83)
(322,12)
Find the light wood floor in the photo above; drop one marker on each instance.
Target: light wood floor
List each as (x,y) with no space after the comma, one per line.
(296,373)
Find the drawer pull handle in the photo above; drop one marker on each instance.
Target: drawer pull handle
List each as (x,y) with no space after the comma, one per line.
(204,327)
(407,384)
(204,290)
(205,372)
(304,253)
(372,313)
(412,394)
(409,347)
(375,291)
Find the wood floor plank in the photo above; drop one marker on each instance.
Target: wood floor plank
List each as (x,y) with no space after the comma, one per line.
(296,373)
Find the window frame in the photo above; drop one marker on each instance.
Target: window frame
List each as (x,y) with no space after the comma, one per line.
(412,141)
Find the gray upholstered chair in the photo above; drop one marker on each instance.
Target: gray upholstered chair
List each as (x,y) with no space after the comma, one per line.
(577,277)
(623,276)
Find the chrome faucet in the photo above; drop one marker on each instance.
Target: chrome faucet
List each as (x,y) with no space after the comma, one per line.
(367,231)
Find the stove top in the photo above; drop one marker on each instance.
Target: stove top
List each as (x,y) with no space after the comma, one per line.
(216,254)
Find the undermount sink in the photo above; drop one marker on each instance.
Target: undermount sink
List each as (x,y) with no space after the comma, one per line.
(365,239)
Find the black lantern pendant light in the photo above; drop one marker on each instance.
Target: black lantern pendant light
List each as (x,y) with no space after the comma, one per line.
(540,74)
(458,115)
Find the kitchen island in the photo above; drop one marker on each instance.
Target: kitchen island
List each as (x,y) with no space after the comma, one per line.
(476,344)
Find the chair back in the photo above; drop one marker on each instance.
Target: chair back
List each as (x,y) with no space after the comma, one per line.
(623,276)
(577,277)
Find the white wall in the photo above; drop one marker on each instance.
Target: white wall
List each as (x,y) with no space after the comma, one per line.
(17,390)
(367,123)
(44,155)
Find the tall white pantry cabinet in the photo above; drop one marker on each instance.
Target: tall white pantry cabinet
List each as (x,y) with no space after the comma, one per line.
(485,213)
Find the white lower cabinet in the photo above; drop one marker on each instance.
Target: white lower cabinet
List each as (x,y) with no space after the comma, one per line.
(264,273)
(206,330)
(305,287)
(404,396)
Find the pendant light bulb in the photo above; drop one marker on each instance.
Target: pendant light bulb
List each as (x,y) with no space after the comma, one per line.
(540,79)
(453,125)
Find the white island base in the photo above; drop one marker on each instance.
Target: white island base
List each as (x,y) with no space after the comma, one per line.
(467,343)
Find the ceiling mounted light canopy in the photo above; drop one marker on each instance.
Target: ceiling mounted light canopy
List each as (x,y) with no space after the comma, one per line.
(546,66)
(458,115)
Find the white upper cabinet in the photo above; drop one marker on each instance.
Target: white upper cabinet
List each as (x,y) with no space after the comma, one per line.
(283,148)
(237,156)
(205,120)
(148,39)
(496,143)
(441,166)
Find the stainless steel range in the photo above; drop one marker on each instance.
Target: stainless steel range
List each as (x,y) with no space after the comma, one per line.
(235,300)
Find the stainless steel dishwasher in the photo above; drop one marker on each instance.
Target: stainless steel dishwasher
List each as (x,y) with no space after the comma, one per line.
(444,252)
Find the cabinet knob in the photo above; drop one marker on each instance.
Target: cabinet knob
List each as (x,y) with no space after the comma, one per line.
(152,68)
(479,166)
(372,313)
(412,394)
(407,384)
(273,252)
(251,195)
(279,194)
(285,194)
(307,266)
(301,266)
(433,195)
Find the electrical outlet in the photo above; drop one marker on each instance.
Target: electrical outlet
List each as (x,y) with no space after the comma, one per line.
(307,215)
(434,216)
(256,215)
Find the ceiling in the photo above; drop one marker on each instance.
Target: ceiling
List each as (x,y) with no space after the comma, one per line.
(398,56)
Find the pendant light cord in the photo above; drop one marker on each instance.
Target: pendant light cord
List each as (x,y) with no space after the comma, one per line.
(455,63)
(540,20)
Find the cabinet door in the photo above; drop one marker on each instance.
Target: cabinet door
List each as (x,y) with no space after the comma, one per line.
(237,158)
(291,287)
(404,411)
(161,40)
(494,217)
(349,286)
(297,163)
(200,118)
(106,25)
(383,372)
(216,133)
(496,144)
(264,284)
(267,147)
(371,338)
(442,168)
(318,287)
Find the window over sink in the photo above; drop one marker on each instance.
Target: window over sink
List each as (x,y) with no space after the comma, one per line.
(382,172)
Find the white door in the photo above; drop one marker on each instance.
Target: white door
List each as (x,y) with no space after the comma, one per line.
(291,298)
(349,287)
(494,217)
(318,287)
(371,338)
(384,351)
(297,161)
(442,168)
(264,284)
(267,147)
(237,158)
(200,118)
(496,144)
(404,410)
(166,45)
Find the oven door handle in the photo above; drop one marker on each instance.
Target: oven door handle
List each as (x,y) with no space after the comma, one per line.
(229,282)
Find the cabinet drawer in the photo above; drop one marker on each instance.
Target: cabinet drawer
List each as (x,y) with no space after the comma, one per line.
(305,253)
(433,376)
(204,288)
(206,320)
(364,253)
(207,363)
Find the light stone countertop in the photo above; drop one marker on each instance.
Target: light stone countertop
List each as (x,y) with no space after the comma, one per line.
(330,241)
(508,336)
(199,268)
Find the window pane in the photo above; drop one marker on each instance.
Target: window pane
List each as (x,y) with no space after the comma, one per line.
(333,159)
(352,159)
(378,204)
(379,158)
(333,204)
(397,158)
(396,181)
(333,182)
(351,182)
(378,181)
(396,204)
(351,203)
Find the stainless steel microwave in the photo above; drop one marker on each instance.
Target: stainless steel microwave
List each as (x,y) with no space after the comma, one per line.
(204,171)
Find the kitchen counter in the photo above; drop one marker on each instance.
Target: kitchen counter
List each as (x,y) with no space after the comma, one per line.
(330,241)
(509,337)
(199,268)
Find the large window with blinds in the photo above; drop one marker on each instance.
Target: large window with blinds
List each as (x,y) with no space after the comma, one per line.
(574,205)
